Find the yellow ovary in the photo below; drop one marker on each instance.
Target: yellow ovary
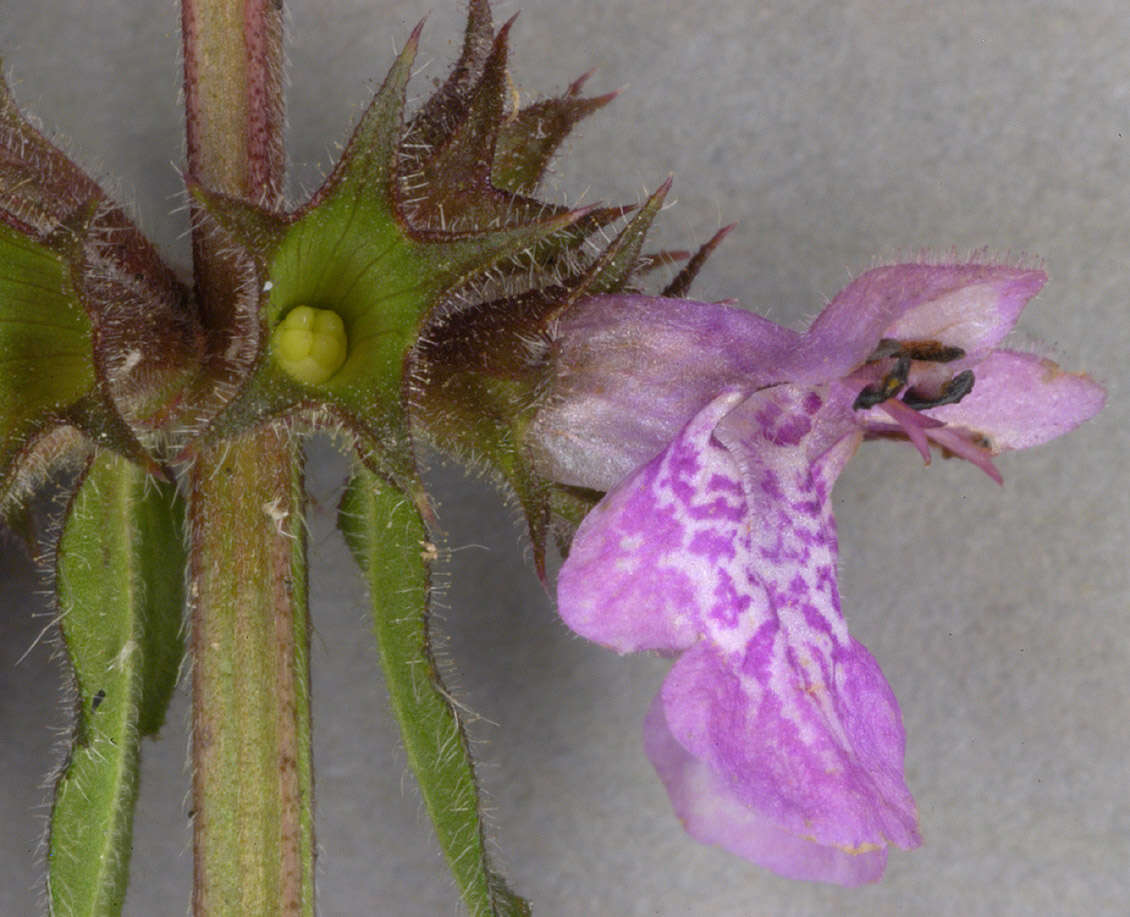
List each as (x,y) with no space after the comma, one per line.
(310,344)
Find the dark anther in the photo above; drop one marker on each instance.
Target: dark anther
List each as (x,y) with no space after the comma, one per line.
(888,386)
(926,351)
(870,397)
(952,392)
(887,347)
(96,701)
(931,351)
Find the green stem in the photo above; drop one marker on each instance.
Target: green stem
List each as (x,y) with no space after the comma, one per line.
(252,784)
(233,98)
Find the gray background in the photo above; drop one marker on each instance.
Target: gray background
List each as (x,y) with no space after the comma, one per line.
(836,132)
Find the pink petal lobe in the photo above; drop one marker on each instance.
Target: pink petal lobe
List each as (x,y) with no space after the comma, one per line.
(972,306)
(1020,400)
(656,554)
(812,746)
(780,703)
(713,814)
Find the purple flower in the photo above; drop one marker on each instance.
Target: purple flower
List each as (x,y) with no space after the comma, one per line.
(719,436)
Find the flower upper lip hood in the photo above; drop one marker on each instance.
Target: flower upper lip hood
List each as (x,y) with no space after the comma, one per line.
(971,306)
(719,437)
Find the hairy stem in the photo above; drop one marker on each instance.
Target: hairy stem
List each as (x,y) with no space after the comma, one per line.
(234,115)
(252,784)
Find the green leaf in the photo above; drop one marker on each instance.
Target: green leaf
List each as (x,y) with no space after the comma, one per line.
(390,542)
(120,574)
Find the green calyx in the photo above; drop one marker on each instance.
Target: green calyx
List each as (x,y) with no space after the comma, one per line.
(419,215)
(48,375)
(96,333)
(445,272)
(479,400)
(45,338)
